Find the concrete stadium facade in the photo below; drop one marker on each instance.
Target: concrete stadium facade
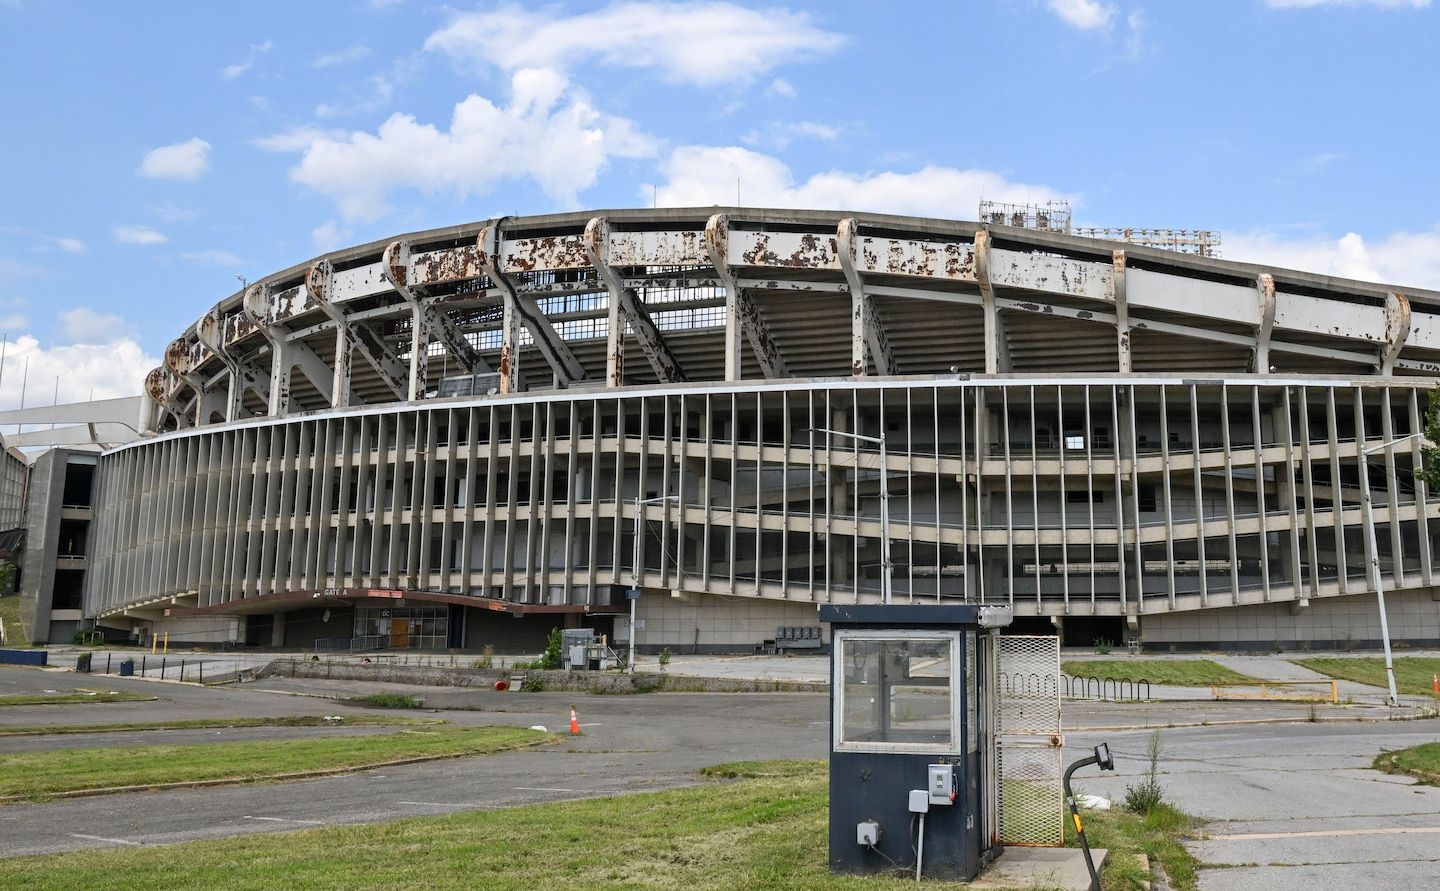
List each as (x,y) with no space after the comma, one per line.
(441,440)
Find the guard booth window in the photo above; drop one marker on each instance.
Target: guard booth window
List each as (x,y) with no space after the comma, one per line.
(895,693)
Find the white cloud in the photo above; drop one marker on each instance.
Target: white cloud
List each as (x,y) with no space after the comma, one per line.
(84,325)
(139,235)
(329,235)
(1400,258)
(186,160)
(298,140)
(106,369)
(380,92)
(1316,164)
(779,135)
(12,321)
(707,175)
(1378,4)
(342,57)
(173,213)
(1087,15)
(704,43)
(212,258)
(548,133)
(70,245)
(781,87)
(230,72)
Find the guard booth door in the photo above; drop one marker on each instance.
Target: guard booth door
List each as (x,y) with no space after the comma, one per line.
(1029,746)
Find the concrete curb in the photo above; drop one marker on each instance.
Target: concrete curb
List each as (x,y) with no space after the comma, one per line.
(1250,721)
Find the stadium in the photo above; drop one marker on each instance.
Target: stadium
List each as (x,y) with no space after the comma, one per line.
(465,437)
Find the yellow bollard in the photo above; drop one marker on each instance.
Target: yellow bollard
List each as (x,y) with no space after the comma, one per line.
(154,642)
(167,643)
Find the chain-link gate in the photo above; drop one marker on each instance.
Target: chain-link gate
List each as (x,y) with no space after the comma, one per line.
(1029,753)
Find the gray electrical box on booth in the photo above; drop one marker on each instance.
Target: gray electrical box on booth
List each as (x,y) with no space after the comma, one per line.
(911,720)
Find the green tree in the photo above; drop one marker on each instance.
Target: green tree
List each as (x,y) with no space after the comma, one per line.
(1429,472)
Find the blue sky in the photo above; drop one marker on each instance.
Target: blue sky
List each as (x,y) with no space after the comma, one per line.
(155,152)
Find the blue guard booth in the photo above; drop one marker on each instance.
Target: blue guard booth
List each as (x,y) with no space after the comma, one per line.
(912,778)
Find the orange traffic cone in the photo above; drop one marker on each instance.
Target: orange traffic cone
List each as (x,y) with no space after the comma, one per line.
(1435,683)
(574,723)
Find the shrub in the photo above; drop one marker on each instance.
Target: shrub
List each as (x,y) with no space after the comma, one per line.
(551,657)
(665,655)
(532,684)
(487,658)
(1103,646)
(1147,795)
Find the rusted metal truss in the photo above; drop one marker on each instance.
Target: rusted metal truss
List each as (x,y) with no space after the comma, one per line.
(523,309)
(867,334)
(357,336)
(241,374)
(625,305)
(285,354)
(741,313)
(428,323)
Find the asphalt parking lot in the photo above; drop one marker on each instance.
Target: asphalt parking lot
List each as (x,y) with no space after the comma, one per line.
(1291,805)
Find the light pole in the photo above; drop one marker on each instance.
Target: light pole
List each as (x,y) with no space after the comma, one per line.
(1394,699)
(633,594)
(887,576)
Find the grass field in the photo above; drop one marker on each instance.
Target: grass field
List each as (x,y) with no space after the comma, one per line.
(1422,762)
(206,723)
(1413,674)
(1171,672)
(766,829)
(73,696)
(10,614)
(39,774)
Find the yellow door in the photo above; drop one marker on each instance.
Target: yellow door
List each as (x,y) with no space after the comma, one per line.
(399,633)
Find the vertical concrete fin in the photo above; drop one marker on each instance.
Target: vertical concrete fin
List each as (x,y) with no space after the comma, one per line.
(997,346)
(1265,292)
(1124,360)
(1397,330)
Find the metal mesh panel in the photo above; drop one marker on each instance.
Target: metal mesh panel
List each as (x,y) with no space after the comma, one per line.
(1028,685)
(1032,802)
(1030,749)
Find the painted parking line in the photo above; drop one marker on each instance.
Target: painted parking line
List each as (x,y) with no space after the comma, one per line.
(544,789)
(101,838)
(283,820)
(435,803)
(1324,833)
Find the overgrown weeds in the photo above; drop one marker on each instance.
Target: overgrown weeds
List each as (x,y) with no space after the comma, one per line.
(1147,795)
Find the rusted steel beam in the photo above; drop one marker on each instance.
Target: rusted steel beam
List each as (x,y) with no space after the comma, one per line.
(357,336)
(1265,293)
(657,351)
(1397,330)
(1124,360)
(285,354)
(523,309)
(240,373)
(741,313)
(428,324)
(161,387)
(597,249)
(625,305)
(867,333)
(997,350)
